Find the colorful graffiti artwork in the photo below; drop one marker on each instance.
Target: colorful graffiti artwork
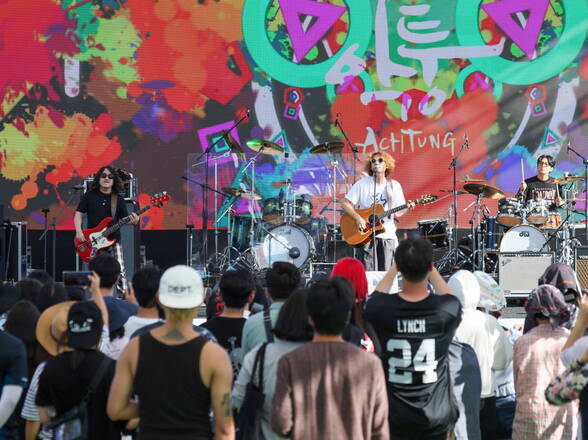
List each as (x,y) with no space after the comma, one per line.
(150,85)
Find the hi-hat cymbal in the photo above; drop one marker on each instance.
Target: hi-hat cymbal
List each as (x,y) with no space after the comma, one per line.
(486,191)
(237,192)
(266,147)
(568,179)
(327,148)
(234,146)
(450,191)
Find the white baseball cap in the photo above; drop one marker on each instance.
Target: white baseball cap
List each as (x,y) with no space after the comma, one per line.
(181,287)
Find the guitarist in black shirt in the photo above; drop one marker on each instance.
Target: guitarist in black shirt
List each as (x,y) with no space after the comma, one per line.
(101,201)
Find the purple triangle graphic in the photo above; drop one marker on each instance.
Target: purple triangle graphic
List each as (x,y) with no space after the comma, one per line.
(303,41)
(549,139)
(526,38)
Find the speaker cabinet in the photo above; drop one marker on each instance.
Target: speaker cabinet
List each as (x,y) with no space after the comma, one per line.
(581,265)
(518,272)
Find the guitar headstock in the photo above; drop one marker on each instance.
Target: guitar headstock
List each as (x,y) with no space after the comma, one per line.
(159,199)
(426,198)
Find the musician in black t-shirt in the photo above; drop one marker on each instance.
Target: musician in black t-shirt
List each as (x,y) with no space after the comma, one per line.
(97,205)
(415,329)
(541,187)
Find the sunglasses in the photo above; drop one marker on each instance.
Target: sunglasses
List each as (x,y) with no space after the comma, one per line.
(106,176)
(378,160)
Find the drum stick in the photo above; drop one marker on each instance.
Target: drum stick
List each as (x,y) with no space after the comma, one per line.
(522,170)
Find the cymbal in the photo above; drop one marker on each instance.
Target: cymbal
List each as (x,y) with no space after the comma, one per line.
(450,191)
(568,179)
(486,191)
(467,180)
(266,147)
(237,192)
(327,148)
(234,146)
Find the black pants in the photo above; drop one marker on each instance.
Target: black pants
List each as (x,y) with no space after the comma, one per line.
(488,418)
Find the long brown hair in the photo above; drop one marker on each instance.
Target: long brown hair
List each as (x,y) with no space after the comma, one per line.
(117,185)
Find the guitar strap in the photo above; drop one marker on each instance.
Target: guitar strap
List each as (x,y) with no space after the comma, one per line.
(389,195)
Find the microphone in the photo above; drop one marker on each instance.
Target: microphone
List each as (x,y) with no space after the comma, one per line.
(568,147)
(467,141)
(78,187)
(337,119)
(294,252)
(248,111)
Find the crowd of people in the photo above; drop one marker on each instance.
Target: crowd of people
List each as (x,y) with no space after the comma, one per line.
(278,359)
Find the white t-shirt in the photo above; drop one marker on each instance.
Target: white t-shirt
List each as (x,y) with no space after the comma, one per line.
(361,195)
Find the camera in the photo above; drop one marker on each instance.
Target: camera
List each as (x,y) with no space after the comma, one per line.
(73,278)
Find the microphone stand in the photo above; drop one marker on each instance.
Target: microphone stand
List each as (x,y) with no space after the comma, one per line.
(453,165)
(205,154)
(43,237)
(373,225)
(353,149)
(585,162)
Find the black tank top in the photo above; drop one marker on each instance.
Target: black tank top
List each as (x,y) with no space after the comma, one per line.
(174,402)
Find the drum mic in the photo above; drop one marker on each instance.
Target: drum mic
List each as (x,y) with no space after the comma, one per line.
(337,119)
(294,252)
(467,141)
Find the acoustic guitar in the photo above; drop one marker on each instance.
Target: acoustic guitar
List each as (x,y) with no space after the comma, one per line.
(359,238)
(96,239)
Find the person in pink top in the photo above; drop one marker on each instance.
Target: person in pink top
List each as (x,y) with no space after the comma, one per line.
(536,361)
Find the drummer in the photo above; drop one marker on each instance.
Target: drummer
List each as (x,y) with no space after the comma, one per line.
(542,186)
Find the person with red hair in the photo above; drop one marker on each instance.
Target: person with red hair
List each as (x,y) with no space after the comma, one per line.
(353,271)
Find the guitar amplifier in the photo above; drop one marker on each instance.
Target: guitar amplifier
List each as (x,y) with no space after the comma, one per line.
(518,272)
(129,191)
(581,265)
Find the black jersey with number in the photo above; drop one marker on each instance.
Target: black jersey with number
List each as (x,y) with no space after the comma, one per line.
(415,339)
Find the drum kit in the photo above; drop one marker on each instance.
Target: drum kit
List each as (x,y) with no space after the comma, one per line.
(280,228)
(534,226)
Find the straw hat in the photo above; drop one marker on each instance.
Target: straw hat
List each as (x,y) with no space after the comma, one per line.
(52,325)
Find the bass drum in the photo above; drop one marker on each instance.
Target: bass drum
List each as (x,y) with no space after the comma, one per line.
(288,243)
(524,238)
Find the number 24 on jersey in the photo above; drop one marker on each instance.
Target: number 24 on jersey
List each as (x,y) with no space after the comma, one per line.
(401,368)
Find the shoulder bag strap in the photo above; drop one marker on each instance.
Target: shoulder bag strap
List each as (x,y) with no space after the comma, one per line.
(261,364)
(98,376)
(267,322)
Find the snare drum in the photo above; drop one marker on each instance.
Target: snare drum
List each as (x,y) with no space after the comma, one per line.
(537,212)
(524,238)
(509,212)
(554,221)
(434,230)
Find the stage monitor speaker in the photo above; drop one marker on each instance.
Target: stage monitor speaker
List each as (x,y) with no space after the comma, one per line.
(518,272)
(130,238)
(581,265)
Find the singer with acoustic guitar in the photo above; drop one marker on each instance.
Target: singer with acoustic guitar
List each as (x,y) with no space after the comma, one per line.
(377,189)
(101,201)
